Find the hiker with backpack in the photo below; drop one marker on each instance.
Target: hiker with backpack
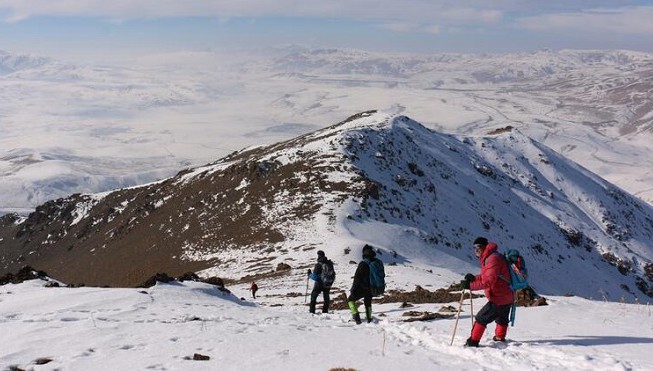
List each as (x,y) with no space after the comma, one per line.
(495,280)
(323,274)
(254,289)
(369,281)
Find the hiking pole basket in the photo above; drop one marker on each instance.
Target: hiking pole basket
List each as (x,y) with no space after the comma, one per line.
(460,307)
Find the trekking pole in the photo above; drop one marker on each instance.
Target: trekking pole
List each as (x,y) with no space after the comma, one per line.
(471,306)
(460,307)
(306,294)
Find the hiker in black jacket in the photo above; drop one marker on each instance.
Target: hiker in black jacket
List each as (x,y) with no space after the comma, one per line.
(254,289)
(361,287)
(319,286)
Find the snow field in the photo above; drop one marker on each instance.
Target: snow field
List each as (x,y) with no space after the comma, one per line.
(159,328)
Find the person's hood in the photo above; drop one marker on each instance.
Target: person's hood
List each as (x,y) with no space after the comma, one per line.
(490,248)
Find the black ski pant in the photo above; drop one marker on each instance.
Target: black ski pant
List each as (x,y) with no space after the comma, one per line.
(492,312)
(317,289)
(361,294)
(366,295)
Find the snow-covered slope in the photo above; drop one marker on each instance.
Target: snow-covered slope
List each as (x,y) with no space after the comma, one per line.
(164,327)
(418,195)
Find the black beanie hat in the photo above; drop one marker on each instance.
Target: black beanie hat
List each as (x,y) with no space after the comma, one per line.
(368,251)
(320,253)
(482,241)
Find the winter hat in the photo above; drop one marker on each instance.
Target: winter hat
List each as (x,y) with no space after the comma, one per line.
(368,251)
(320,253)
(481,241)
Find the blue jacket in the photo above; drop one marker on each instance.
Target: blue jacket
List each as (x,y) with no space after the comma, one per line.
(316,273)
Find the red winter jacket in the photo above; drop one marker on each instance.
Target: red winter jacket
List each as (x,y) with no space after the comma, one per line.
(494,277)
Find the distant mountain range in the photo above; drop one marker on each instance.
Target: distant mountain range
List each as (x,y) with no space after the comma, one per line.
(604,87)
(10,62)
(419,195)
(90,128)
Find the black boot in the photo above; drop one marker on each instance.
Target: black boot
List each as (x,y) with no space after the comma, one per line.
(357,318)
(471,343)
(368,314)
(496,338)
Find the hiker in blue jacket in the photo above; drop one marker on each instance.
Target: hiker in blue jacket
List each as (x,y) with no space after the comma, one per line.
(319,286)
(361,287)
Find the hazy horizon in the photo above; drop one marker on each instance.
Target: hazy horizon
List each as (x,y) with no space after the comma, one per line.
(98,30)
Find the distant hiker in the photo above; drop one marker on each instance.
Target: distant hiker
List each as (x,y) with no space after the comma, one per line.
(362,288)
(254,288)
(323,274)
(495,280)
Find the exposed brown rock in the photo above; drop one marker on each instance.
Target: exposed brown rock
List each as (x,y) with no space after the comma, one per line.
(200,357)
(129,235)
(24,274)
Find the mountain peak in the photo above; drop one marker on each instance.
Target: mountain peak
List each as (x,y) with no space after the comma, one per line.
(376,177)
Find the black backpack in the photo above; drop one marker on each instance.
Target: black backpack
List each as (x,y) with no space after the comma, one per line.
(328,274)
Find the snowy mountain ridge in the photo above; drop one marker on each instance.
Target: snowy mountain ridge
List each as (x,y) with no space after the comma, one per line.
(11,62)
(420,196)
(489,67)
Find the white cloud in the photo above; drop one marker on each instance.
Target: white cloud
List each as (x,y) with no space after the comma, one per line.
(633,20)
(411,27)
(469,15)
(433,29)
(399,27)
(418,11)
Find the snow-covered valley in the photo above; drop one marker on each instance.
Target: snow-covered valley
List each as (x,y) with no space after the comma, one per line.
(71,128)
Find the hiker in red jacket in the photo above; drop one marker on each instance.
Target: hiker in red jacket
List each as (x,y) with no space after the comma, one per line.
(495,280)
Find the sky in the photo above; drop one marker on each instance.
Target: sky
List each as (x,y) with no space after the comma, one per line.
(89,28)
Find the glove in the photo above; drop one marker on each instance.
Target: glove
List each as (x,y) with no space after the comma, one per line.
(309,271)
(470,277)
(464,284)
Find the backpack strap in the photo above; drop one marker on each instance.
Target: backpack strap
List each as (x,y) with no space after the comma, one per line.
(513,309)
